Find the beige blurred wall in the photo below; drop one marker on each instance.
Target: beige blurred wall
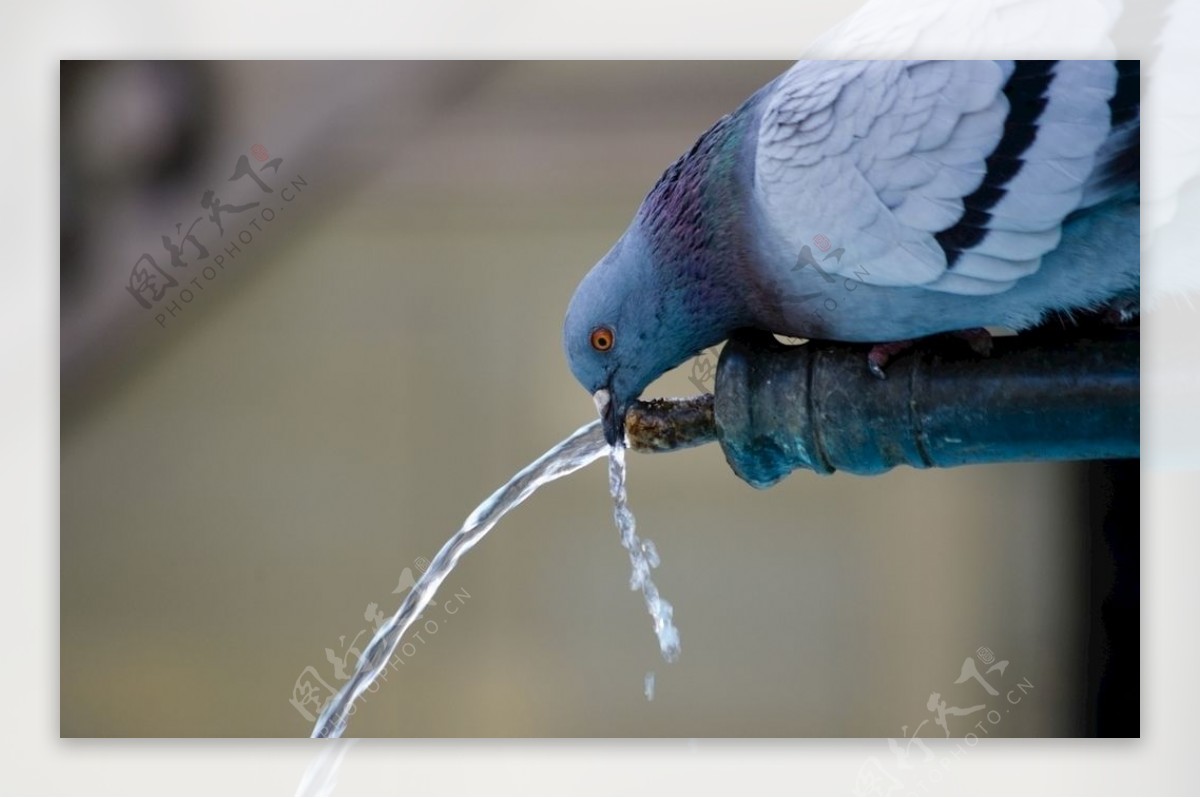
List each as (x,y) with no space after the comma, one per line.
(239,489)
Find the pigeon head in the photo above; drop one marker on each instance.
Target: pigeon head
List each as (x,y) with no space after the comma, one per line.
(619,334)
(668,288)
(637,315)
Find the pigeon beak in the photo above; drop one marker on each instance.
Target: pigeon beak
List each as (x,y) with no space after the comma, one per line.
(612,420)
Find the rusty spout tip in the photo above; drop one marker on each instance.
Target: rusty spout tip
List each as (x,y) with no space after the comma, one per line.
(664,425)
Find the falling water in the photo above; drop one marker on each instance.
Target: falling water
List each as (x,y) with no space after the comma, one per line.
(642,556)
(585,446)
(320,778)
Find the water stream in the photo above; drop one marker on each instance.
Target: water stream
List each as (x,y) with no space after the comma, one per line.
(643,557)
(584,446)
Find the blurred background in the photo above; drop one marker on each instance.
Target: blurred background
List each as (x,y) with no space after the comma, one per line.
(269,428)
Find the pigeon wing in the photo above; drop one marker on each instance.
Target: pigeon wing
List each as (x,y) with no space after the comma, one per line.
(954,176)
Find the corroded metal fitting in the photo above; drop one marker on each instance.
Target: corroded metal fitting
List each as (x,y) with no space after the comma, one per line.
(816,406)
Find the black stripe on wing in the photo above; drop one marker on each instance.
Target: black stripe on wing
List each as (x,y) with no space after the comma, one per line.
(1125,102)
(1026,91)
(1124,168)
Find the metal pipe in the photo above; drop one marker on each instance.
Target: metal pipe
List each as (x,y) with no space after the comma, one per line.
(778,408)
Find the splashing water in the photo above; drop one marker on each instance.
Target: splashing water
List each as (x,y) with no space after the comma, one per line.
(642,556)
(584,446)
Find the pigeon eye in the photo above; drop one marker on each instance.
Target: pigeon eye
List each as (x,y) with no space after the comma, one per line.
(602,339)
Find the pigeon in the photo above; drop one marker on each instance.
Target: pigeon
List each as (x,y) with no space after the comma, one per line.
(875,202)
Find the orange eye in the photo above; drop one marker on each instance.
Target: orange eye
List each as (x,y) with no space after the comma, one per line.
(602,339)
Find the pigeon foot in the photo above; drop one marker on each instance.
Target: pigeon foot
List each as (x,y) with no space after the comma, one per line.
(978,338)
